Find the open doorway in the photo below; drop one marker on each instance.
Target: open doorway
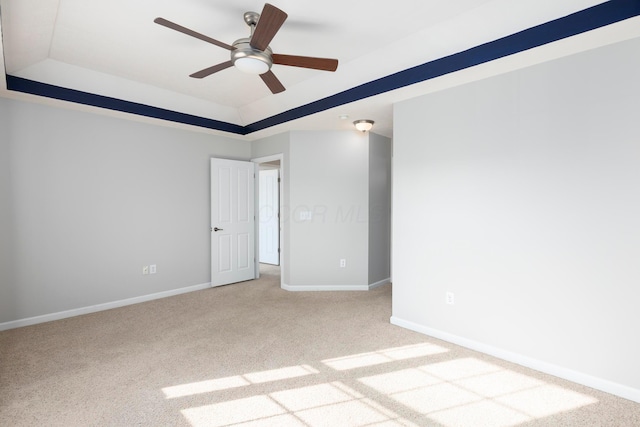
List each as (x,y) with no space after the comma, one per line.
(269,251)
(269,213)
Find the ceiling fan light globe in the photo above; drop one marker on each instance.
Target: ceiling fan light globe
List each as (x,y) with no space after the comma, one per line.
(363,125)
(250,60)
(251,65)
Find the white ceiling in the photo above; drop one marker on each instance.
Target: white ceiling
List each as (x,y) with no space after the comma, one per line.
(113,48)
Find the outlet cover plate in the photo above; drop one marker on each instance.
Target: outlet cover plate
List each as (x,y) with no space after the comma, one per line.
(450,298)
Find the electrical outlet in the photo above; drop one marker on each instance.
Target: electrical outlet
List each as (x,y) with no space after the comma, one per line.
(343,263)
(450,298)
(152,269)
(145,269)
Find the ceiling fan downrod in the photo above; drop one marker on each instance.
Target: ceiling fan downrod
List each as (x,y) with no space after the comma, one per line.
(251,18)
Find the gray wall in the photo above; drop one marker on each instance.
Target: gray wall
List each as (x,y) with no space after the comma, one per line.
(7,241)
(379,208)
(329,177)
(87,200)
(343,179)
(519,194)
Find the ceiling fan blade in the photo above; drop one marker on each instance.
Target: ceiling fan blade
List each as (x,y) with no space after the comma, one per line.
(324,64)
(191,33)
(272,82)
(271,19)
(208,71)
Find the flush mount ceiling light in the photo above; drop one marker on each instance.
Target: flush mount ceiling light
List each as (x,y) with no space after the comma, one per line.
(363,125)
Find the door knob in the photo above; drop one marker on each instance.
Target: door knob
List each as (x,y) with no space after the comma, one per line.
(217,229)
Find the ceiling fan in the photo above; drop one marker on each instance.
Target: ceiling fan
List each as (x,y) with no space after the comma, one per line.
(252,54)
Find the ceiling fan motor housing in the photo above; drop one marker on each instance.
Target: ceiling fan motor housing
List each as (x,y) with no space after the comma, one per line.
(251,60)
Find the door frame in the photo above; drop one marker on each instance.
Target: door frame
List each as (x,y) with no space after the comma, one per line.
(266,175)
(283,248)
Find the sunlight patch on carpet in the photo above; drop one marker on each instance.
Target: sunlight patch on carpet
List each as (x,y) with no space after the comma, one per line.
(207,386)
(235,381)
(384,356)
(256,408)
(468,392)
(457,392)
(327,404)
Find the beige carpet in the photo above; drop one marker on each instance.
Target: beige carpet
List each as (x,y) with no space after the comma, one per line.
(253,354)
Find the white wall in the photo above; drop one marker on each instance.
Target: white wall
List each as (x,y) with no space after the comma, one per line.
(519,193)
(87,200)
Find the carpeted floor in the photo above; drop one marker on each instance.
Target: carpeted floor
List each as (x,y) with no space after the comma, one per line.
(253,354)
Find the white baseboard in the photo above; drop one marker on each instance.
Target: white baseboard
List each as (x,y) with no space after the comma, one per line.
(548,368)
(380,283)
(99,307)
(302,288)
(318,288)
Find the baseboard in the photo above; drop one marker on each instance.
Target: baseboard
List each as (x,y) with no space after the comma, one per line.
(380,283)
(316,288)
(303,288)
(99,307)
(548,368)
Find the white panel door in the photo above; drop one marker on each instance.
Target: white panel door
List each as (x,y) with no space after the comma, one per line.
(232,221)
(268,209)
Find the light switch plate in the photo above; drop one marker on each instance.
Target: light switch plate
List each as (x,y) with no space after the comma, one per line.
(305,215)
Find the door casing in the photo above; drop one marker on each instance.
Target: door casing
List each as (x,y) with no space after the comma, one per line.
(283,245)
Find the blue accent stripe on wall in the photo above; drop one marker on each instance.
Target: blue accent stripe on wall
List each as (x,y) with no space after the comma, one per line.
(576,23)
(589,19)
(43,89)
